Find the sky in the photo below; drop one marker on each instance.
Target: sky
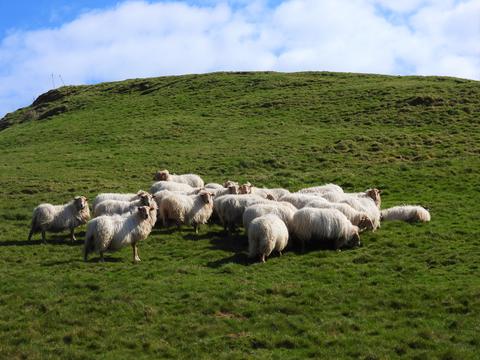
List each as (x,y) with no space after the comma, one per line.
(48,43)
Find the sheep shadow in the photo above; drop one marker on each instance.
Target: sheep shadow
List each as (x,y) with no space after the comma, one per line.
(235,242)
(237,258)
(51,240)
(105,259)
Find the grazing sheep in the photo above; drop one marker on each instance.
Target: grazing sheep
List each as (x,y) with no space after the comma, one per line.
(187,209)
(321,189)
(119,207)
(190,179)
(367,205)
(408,213)
(172,186)
(284,210)
(55,218)
(210,186)
(111,233)
(116,196)
(359,218)
(300,200)
(265,234)
(325,225)
(230,208)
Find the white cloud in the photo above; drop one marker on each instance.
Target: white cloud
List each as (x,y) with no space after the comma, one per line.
(142,39)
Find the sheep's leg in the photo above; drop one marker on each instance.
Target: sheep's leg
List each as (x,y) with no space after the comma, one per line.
(280,253)
(44,239)
(102,259)
(72,235)
(263,258)
(135,253)
(30,234)
(196,226)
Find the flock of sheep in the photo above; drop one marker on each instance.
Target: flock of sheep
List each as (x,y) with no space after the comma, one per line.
(271,217)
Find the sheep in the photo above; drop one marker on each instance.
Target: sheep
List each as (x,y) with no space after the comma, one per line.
(227,183)
(374,194)
(231,189)
(321,189)
(56,218)
(359,218)
(325,225)
(112,207)
(408,213)
(277,193)
(116,196)
(265,234)
(111,233)
(300,200)
(187,209)
(367,205)
(210,186)
(284,210)
(230,208)
(190,179)
(172,186)
(247,188)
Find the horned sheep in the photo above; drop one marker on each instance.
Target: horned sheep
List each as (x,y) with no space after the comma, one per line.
(56,218)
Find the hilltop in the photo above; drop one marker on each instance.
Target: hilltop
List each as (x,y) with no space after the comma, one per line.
(411,290)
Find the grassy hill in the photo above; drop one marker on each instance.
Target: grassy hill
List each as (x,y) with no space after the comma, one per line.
(411,291)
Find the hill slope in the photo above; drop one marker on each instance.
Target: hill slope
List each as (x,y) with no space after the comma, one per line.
(411,290)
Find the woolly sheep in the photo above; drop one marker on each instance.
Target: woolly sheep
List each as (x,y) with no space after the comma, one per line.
(213,186)
(187,209)
(374,194)
(227,183)
(249,189)
(112,207)
(231,189)
(284,210)
(111,233)
(325,225)
(172,186)
(367,205)
(408,213)
(56,218)
(116,196)
(230,208)
(191,179)
(300,200)
(265,234)
(359,218)
(322,189)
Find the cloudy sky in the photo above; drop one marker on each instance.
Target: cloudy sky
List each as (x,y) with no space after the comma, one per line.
(90,41)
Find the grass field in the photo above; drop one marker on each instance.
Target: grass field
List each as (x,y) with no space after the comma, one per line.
(412,291)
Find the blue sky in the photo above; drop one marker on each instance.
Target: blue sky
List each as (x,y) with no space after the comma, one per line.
(90,41)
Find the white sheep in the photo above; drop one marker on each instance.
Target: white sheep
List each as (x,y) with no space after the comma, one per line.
(116,196)
(324,226)
(408,213)
(247,188)
(227,183)
(322,189)
(230,208)
(335,196)
(172,186)
(191,179)
(119,207)
(265,234)
(56,218)
(231,189)
(111,233)
(300,200)
(210,186)
(187,209)
(367,205)
(359,218)
(284,210)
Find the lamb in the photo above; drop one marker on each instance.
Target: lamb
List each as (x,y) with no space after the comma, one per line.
(187,209)
(190,179)
(321,189)
(325,225)
(116,196)
(300,200)
(284,210)
(408,213)
(359,218)
(172,186)
(230,208)
(265,234)
(111,233)
(112,207)
(56,218)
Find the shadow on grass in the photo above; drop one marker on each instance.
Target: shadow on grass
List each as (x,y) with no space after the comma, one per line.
(51,240)
(238,258)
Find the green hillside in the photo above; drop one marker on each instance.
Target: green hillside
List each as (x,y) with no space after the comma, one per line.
(412,291)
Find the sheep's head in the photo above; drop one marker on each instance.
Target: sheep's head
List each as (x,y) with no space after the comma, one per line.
(245,188)
(375,195)
(365,223)
(206,196)
(228,183)
(161,175)
(233,189)
(354,241)
(81,202)
(143,212)
(145,199)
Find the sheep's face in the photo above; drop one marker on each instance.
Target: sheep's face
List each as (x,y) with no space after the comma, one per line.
(81,202)
(375,195)
(233,189)
(206,197)
(146,199)
(143,212)
(354,240)
(161,175)
(245,188)
(365,223)
(228,183)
